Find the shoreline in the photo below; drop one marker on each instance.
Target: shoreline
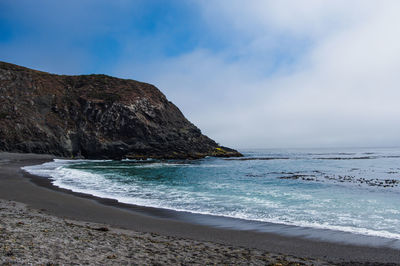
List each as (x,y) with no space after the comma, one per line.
(39,193)
(215,221)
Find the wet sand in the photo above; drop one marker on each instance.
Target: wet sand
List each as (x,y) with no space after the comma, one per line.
(58,204)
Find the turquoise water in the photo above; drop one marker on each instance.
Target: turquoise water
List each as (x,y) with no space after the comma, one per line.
(354,190)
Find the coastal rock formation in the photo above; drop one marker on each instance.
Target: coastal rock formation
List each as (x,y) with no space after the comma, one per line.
(94,116)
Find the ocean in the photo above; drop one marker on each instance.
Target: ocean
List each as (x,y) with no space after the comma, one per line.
(344,193)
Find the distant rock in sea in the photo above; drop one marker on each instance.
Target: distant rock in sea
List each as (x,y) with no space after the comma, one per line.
(94,116)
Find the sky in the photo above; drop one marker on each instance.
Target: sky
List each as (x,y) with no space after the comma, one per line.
(248,73)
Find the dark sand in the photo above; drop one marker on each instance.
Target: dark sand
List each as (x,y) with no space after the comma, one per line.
(36,192)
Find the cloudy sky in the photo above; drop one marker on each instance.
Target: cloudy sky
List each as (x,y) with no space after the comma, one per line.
(249,73)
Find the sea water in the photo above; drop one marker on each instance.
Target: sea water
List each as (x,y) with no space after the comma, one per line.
(353,190)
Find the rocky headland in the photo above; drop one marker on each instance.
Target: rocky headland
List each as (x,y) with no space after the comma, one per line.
(96,117)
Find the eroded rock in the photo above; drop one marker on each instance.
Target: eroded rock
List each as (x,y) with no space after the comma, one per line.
(94,116)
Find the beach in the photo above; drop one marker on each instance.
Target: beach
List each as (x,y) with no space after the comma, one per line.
(44,224)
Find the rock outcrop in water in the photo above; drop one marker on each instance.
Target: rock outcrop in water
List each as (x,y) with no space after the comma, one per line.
(94,116)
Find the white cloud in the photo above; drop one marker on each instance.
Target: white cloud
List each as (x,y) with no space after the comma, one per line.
(342,91)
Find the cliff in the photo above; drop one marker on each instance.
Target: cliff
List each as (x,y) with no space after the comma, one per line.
(94,116)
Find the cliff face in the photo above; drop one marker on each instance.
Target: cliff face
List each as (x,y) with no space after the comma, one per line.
(94,116)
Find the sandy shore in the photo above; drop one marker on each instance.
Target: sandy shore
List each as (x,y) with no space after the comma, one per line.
(40,224)
(30,236)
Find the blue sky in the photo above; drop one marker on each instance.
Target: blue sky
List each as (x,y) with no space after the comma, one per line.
(94,36)
(254,73)
(102,32)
